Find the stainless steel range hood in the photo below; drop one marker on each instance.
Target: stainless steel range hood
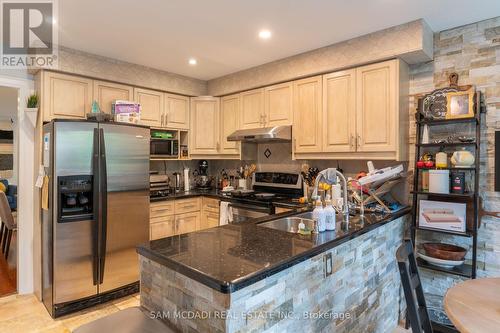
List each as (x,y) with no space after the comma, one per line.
(267,134)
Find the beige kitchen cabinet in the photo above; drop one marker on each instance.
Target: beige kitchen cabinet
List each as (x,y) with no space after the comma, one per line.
(176,112)
(187,205)
(377,107)
(364,114)
(151,106)
(278,108)
(161,227)
(65,96)
(105,93)
(205,126)
(187,222)
(209,220)
(252,112)
(161,208)
(339,111)
(229,122)
(161,219)
(209,213)
(307,115)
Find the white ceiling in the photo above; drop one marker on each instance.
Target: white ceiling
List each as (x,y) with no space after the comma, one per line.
(222,34)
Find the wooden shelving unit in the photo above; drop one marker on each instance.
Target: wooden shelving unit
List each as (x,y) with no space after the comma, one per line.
(471,198)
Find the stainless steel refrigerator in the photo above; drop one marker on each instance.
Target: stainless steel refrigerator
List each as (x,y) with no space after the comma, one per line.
(98,212)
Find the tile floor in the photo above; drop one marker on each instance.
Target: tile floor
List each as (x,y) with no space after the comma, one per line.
(25,314)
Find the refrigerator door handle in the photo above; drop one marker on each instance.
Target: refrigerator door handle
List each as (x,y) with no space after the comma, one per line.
(95,221)
(103,203)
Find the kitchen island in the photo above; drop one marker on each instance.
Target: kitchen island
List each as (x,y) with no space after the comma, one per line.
(245,277)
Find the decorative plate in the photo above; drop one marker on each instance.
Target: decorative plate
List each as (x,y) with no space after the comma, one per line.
(440,262)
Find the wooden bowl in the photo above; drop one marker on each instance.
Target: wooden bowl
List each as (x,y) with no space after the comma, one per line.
(445,251)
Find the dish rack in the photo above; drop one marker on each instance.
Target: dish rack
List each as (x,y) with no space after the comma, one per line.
(378,187)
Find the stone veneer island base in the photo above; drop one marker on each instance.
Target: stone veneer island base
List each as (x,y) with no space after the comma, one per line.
(362,293)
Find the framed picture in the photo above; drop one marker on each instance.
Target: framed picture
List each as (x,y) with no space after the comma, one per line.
(460,104)
(449,216)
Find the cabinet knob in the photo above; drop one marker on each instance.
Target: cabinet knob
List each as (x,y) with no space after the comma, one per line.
(358,141)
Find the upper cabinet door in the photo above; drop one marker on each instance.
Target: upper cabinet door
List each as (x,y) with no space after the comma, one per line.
(339,111)
(205,132)
(66,96)
(376,105)
(105,93)
(278,104)
(230,111)
(151,106)
(252,109)
(307,129)
(177,111)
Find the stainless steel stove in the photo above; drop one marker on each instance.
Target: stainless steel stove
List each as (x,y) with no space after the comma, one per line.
(268,188)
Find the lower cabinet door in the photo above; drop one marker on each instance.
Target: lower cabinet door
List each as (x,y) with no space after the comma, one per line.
(161,227)
(209,220)
(187,222)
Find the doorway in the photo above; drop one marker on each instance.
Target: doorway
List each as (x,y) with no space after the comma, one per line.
(9,140)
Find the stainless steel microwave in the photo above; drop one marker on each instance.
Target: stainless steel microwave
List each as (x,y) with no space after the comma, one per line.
(164,148)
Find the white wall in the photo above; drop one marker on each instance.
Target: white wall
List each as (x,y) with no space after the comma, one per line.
(8,122)
(25,150)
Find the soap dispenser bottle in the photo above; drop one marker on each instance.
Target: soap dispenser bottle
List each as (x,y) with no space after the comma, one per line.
(319,216)
(329,214)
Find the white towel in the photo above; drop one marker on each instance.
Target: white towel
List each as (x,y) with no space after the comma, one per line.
(225,213)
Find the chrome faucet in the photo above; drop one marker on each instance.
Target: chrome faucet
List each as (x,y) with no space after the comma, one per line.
(329,176)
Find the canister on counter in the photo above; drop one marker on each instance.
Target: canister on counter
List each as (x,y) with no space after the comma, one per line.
(439,181)
(458,182)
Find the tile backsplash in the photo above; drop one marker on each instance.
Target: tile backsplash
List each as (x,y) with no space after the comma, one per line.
(270,157)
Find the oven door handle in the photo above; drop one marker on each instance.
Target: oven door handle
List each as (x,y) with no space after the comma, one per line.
(249,207)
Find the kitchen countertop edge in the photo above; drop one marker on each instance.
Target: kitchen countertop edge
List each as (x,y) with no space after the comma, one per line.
(232,286)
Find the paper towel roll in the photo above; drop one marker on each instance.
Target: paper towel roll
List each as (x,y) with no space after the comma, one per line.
(186,180)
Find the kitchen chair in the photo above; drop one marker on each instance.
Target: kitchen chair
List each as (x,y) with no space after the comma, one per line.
(8,225)
(417,313)
(131,320)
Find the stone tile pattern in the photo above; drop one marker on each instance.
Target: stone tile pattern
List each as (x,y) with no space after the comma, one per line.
(473,51)
(365,284)
(82,63)
(410,41)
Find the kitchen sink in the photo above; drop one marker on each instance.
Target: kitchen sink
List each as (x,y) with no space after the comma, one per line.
(289,224)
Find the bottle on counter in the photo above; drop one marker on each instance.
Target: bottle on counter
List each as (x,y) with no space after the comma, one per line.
(319,216)
(329,214)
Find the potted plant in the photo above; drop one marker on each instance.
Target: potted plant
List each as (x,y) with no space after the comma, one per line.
(32,108)
(32,102)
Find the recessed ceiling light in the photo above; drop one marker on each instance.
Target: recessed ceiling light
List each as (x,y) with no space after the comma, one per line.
(265,34)
(192,61)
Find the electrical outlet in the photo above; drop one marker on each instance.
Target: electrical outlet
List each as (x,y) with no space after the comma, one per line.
(327,264)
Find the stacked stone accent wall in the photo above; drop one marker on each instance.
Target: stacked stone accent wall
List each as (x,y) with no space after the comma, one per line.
(473,51)
(362,295)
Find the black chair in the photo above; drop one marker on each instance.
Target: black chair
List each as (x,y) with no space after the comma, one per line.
(417,313)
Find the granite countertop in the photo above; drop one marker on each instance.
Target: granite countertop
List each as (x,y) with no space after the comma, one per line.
(191,194)
(230,257)
(219,195)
